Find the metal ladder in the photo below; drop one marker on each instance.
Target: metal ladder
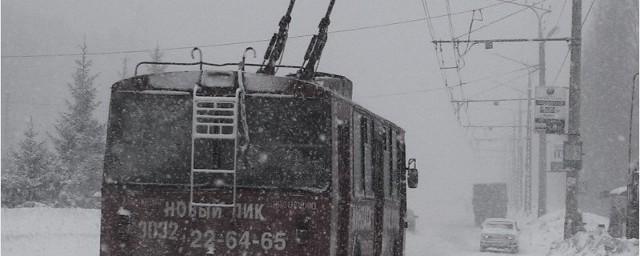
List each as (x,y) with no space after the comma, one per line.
(214,118)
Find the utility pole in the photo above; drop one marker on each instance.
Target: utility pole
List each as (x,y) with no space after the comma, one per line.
(631,230)
(527,165)
(573,148)
(542,137)
(520,167)
(516,169)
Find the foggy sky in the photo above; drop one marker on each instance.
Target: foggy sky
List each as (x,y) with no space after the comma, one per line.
(393,68)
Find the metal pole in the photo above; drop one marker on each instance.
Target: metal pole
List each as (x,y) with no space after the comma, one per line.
(573,219)
(542,137)
(514,167)
(631,223)
(520,167)
(633,96)
(527,164)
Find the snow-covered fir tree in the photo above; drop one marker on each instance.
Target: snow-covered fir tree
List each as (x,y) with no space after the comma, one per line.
(79,139)
(31,176)
(156,56)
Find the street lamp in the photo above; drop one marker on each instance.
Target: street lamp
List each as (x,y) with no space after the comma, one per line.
(632,182)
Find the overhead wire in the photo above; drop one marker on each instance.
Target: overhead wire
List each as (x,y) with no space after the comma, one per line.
(501,84)
(443,88)
(564,4)
(499,19)
(468,34)
(454,51)
(438,52)
(405,93)
(359,28)
(564,60)
(494,76)
(431,31)
(454,46)
(469,44)
(586,16)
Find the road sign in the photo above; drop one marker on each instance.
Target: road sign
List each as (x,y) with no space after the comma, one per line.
(551,110)
(573,155)
(555,155)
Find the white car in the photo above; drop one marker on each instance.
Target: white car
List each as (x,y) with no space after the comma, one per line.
(499,233)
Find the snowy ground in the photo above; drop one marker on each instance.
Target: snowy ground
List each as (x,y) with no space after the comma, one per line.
(71,232)
(50,231)
(47,231)
(438,237)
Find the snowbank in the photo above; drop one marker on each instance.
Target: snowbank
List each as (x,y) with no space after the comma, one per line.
(50,231)
(594,243)
(550,227)
(618,191)
(548,231)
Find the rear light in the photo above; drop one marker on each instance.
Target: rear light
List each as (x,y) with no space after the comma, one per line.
(123,224)
(303,229)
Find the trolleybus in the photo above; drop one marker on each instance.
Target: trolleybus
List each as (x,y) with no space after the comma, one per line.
(224,161)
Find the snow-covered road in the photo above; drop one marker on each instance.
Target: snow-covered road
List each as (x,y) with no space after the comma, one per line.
(451,237)
(75,232)
(71,232)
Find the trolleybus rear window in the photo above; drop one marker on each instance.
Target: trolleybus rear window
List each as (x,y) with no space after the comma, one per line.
(289,142)
(288,145)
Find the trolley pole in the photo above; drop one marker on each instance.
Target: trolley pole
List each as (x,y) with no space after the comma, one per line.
(573,151)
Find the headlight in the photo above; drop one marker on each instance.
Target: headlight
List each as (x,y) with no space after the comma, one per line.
(510,237)
(485,236)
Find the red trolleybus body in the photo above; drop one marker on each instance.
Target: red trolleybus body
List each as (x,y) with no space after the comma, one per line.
(309,172)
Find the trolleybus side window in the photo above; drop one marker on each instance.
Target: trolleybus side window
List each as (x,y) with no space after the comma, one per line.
(364,140)
(392,163)
(388,163)
(363,171)
(380,184)
(400,160)
(368,162)
(360,136)
(385,162)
